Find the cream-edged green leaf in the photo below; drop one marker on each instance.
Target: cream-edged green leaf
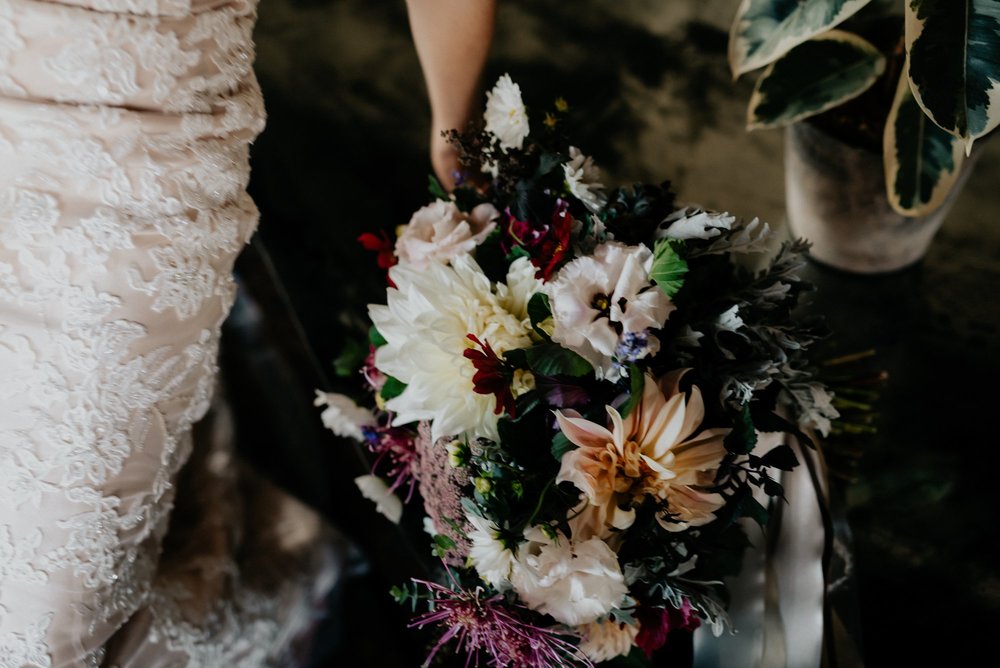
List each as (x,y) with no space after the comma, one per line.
(765,30)
(954,70)
(922,161)
(814,76)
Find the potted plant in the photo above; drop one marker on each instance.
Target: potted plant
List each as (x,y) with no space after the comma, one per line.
(893,98)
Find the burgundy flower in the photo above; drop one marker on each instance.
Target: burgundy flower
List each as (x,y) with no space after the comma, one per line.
(656,623)
(493,376)
(381,244)
(547,244)
(375,378)
(488,625)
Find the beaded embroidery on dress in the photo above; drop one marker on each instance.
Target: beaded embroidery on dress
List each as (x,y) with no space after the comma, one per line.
(124,133)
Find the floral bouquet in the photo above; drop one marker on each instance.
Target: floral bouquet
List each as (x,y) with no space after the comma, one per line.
(575,379)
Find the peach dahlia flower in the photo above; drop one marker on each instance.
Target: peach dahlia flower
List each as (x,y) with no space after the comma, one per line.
(656,451)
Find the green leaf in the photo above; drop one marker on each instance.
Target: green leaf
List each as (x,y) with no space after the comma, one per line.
(350,358)
(561,445)
(751,508)
(813,77)
(551,359)
(954,63)
(765,30)
(435,188)
(781,457)
(393,388)
(743,438)
(669,267)
(442,544)
(375,337)
(637,385)
(922,161)
(539,308)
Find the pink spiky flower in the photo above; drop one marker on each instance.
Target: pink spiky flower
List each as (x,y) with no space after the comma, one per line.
(395,454)
(488,625)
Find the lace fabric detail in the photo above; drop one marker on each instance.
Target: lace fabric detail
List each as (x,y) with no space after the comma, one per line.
(124,132)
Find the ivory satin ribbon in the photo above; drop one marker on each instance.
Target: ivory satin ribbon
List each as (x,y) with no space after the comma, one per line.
(777,600)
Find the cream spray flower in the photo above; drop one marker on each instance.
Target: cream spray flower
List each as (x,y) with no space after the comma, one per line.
(583,179)
(506,118)
(604,300)
(342,416)
(603,641)
(376,490)
(574,582)
(490,557)
(426,324)
(654,452)
(439,232)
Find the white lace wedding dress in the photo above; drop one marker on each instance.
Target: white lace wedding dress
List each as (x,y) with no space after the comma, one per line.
(124,132)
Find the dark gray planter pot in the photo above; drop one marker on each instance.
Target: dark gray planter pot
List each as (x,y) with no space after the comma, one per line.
(835,198)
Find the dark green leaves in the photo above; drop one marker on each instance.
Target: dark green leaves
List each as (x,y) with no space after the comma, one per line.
(435,188)
(954,49)
(765,30)
(922,161)
(669,267)
(350,359)
(550,359)
(393,388)
(538,311)
(813,77)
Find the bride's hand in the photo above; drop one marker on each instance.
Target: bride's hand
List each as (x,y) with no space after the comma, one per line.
(444,159)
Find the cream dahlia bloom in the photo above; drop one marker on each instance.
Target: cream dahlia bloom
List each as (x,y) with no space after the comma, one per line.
(603,641)
(583,179)
(439,232)
(599,301)
(576,582)
(426,322)
(505,116)
(654,452)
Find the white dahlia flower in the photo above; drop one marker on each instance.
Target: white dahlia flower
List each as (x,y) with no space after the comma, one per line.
(492,560)
(506,117)
(426,324)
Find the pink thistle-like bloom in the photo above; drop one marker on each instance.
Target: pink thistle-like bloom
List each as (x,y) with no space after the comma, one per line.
(656,623)
(487,625)
(395,455)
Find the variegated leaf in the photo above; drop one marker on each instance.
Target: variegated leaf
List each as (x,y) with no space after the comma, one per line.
(954,49)
(922,161)
(814,76)
(765,30)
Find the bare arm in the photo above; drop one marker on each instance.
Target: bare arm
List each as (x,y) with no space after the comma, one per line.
(452,39)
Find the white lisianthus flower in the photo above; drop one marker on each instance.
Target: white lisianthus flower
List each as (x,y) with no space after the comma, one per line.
(376,490)
(583,179)
(603,641)
(506,117)
(426,322)
(492,560)
(342,416)
(575,582)
(439,232)
(604,300)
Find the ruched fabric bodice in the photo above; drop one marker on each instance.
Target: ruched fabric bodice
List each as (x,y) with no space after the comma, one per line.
(124,134)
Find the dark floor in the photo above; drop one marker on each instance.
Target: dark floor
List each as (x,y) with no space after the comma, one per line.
(652,99)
